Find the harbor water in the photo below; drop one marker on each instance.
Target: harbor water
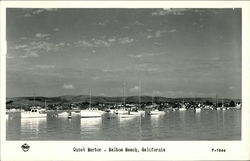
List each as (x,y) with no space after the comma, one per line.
(173,125)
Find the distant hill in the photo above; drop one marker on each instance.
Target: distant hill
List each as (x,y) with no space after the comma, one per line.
(71,99)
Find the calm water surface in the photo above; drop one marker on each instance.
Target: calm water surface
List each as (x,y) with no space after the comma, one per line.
(176,125)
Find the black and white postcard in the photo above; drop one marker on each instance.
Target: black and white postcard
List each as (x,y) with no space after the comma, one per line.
(124,81)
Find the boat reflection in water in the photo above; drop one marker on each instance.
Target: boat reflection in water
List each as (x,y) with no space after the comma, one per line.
(90,127)
(173,125)
(31,128)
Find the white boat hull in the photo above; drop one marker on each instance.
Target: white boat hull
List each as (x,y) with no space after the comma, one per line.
(197,110)
(121,112)
(137,113)
(182,109)
(157,112)
(73,113)
(63,114)
(91,113)
(33,115)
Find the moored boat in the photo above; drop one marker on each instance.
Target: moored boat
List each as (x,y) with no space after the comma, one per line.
(198,109)
(157,112)
(63,114)
(34,113)
(90,113)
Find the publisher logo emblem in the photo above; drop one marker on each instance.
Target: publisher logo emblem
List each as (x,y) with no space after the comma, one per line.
(25,147)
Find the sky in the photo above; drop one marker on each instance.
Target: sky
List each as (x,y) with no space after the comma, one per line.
(173,52)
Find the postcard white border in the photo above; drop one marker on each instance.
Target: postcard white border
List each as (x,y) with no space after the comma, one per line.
(176,150)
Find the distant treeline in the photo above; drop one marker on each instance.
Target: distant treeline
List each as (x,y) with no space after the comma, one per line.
(83,100)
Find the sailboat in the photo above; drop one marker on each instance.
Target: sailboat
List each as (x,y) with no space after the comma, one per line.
(64,113)
(138,111)
(122,111)
(217,108)
(198,109)
(222,105)
(151,110)
(183,107)
(91,112)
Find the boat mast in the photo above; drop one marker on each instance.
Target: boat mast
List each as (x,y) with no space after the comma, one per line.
(139,105)
(222,102)
(124,99)
(45,106)
(34,99)
(90,98)
(152,99)
(216,101)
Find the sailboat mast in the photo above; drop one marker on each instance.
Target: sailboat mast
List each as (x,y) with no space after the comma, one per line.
(152,99)
(34,99)
(90,98)
(45,106)
(124,99)
(139,105)
(216,101)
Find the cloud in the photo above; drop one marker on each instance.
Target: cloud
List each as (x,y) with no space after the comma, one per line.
(154,93)
(145,68)
(92,43)
(44,66)
(169,11)
(113,39)
(68,86)
(231,87)
(215,58)
(42,36)
(138,56)
(177,93)
(20,47)
(157,34)
(30,12)
(173,30)
(31,54)
(56,29)
(103,43)
(101,23)
(125,40)
(134,89)
(125,27)
(35,47)
(138,23)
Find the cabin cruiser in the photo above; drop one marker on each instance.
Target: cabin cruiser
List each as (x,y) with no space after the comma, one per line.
(35,112)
